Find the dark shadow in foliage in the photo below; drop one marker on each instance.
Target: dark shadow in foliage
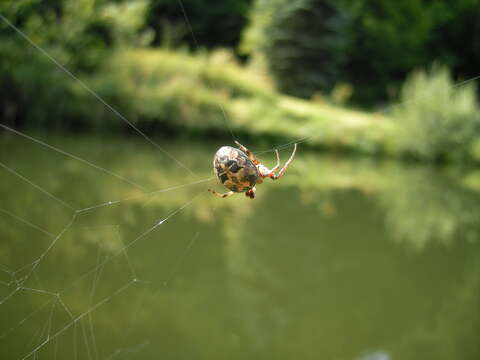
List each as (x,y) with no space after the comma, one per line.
(306,47)
(214,25)
(391,38)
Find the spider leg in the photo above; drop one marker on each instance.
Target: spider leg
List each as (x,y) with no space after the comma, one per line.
(251,193)
(248,152)
(284,168)
(278,162)
(227,194)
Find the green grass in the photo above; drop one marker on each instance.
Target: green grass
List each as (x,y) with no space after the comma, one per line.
(210,93)
(174,93)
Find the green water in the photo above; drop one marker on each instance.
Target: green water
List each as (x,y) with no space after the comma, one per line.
(341,259)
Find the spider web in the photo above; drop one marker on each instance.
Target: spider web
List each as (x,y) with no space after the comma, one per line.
(53,323)
(29,272)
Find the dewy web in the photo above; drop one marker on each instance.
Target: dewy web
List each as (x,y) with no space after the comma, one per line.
(77,327)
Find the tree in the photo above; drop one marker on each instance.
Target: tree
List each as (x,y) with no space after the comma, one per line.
(306,45)
(310,45)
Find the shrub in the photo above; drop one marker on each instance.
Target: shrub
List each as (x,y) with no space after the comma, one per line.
(391,38)
(79,34)
(436,119)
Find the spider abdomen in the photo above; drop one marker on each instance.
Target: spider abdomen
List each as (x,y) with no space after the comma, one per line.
(234,169)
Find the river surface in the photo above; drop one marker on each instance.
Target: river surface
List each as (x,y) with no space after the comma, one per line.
(341,259)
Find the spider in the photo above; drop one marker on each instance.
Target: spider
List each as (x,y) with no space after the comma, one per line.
(239,170)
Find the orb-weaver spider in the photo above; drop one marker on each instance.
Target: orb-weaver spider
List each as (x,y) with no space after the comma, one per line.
(239,170)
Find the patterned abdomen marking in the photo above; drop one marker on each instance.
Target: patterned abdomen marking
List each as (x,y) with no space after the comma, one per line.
(234,169)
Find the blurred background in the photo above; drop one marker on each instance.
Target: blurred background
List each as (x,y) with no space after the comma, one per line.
(367,249)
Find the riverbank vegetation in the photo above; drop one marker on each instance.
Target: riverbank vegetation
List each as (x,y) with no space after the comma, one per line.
(136,56)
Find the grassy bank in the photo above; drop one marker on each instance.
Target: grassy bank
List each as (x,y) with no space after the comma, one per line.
(161,90)
(437,120)
(175,94)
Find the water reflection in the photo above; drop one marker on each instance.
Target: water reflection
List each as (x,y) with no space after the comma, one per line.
(425,205)
(338,258)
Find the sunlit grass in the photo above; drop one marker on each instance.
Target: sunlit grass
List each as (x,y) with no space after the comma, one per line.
(210,93)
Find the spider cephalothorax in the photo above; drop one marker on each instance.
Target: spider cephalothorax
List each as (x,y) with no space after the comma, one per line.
(239,170)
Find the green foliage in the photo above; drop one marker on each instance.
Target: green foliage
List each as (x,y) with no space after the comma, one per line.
(437,120)
(154,89)
(79,33)
(100,41)
(391,38)
(312,44)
